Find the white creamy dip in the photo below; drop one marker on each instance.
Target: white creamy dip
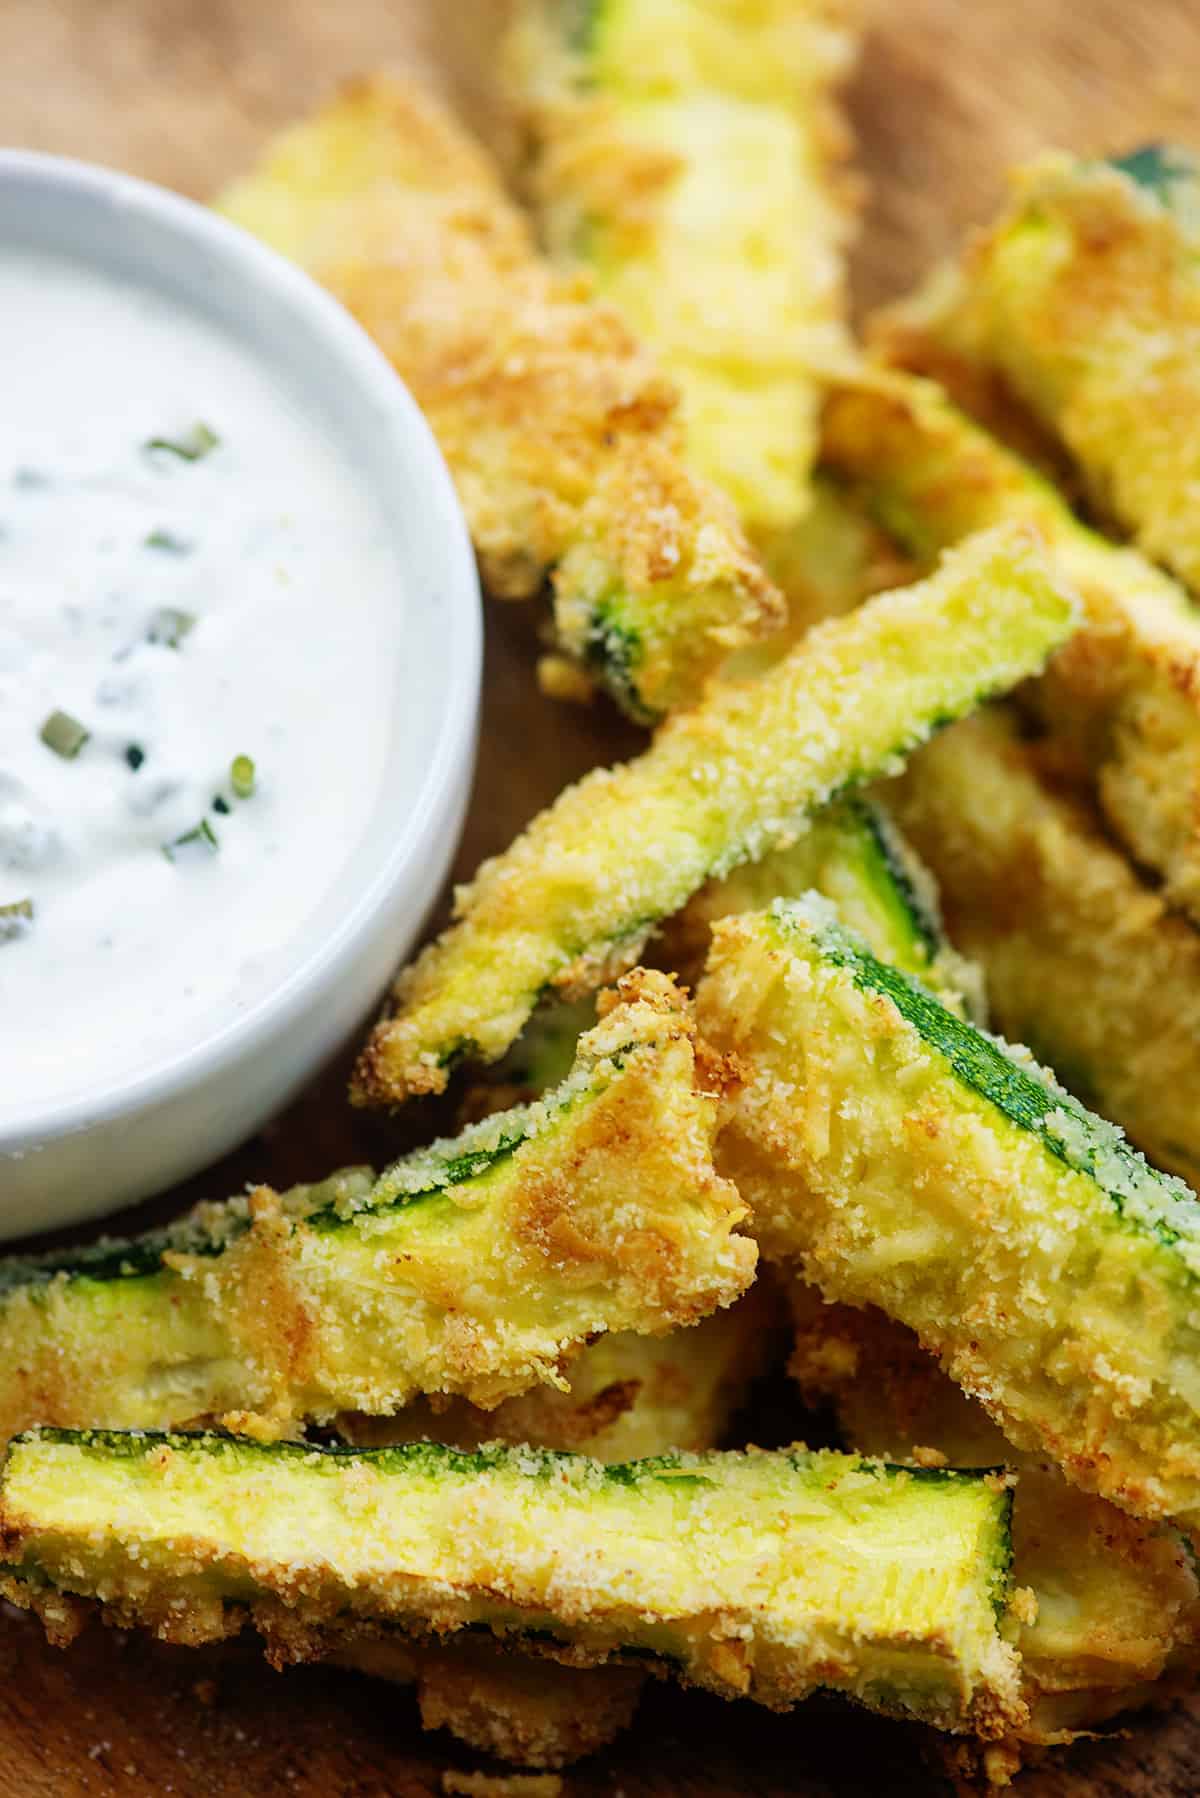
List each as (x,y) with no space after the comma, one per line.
(275,577)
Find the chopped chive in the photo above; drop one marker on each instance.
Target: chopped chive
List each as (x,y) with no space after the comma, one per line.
(241,775)
(201,835)
(64,735)
(167,542)
(15,919)
(190,446)
(222,805)
(169,626)
(135,755)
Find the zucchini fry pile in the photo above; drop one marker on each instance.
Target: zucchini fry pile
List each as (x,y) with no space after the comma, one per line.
(470,1425)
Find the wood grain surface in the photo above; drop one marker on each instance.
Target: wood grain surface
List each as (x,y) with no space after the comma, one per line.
(949,94)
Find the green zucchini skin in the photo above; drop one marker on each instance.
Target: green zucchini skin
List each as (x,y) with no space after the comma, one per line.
(470,1267)
(754,1574)
(907,1160)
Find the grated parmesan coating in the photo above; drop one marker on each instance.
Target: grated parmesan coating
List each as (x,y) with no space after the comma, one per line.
(583,887)
(905,1160)
(1121,700)
(560,432)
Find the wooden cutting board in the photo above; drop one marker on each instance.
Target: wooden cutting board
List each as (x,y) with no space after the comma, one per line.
(184,91)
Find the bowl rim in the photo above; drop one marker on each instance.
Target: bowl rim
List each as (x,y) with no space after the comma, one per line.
(450,759)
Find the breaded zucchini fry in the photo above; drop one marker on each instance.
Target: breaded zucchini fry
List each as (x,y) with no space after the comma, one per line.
(852,853)
(1117,1600)
(579,893)
(755,1575)
(629,1396)
(1085,297)
(560,432)
(1083,960)
(684,153)
(904,1159)
(472,1267)
(1123,696)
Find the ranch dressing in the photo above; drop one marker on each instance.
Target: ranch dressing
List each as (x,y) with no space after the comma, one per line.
(184,612)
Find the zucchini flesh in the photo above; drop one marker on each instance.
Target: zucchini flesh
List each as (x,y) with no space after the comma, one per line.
(1085,298)
(560,433)
(681,153)
(1123,697)
(852,853)
(582,889)
(1083,960)
(471,1267)
(907,1160)
(1117,1599)
(759,1575)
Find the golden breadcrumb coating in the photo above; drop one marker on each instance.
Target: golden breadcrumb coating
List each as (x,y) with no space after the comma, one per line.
(560,432)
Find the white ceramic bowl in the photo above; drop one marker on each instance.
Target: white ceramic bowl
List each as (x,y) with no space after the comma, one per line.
(124,1141)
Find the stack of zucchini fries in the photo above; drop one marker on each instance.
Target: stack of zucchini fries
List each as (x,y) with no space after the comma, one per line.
(901,620)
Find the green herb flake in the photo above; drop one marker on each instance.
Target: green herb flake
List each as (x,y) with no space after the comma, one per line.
(169,626)
(202,836)
(167,542)
(1156,167)
(135,755)
(221,804)
(190,446)
(64,735)
(242,775)
(16,919)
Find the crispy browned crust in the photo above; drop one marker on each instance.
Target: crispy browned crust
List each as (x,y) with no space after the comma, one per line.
(560,431)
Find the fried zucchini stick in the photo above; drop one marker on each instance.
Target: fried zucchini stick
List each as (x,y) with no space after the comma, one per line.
(1083,960)
(561,434)
(755,1575)
(1116,1601)
(579,893)
(904,1159)
(1122,698)
(687,155)
(1085,298)
(473,1267)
